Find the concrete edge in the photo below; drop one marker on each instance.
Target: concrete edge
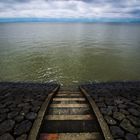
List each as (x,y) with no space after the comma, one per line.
(104,127)
(33,135)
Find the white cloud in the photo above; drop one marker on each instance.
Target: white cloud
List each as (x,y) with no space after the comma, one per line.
(70,9)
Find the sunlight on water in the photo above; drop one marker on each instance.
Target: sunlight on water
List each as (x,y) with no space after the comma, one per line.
(69,53)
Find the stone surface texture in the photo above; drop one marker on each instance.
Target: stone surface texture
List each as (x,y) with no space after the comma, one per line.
(19,105)
(119,103)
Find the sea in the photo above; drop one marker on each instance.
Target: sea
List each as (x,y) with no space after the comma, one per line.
(69,53)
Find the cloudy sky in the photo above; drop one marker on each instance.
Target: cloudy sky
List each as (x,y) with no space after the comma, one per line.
(70,9)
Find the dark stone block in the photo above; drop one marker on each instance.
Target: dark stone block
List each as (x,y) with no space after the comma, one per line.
(6,126)
(31,116)
(2,117)
(22,137)
(135,121)
(118,116)
(12,114)
(7,136)
(130,136)
(19,118)
(126,125)
(110,120)
(23,127)
(134,112)
(117,132)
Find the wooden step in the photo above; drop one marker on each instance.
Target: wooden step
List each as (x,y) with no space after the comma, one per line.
(68,105)
(70,126)
(71,136)
(69,102)
(69,117)
(70,111)
(71,94)
(68,96)
(69,99)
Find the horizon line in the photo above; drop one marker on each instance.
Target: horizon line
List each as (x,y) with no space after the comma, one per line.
(88,20)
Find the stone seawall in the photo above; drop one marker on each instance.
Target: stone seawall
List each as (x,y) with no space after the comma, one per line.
(19,105)
(119,103)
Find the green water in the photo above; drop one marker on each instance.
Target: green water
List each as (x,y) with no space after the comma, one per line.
(69,53)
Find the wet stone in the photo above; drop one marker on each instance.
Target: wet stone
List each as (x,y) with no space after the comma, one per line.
(134,112)
(137,102)
(113,108)
(134,120)
(31,116)
(126,125)
(106,111)
(2,106)
(22,137)
(117,132)
(138,136)
(7,94)
(23,104)
(36,103)
(125,98)
(24,112)
(2,117)
(12,114)
(100,104)
(35,108)
(138,130)
(101,99)
(19,118)
(4,110)
(6,136)
(41,97)
(118,116)
(8,102)
(122,106)
(124,111)
(27,107)
(23,127)
(95,96)
(13,106)
(18,101)
(109,102)
(130,136)
(118,101)
(132,105)
(17,109)
(110,120)
(28,100)
(6,126)
(103,110)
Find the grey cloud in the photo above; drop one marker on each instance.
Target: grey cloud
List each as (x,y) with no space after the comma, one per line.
(70,8)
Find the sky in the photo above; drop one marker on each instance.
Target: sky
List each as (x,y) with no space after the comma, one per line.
(73,9)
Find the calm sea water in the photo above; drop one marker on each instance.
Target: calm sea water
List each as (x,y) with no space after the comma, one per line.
(69,53)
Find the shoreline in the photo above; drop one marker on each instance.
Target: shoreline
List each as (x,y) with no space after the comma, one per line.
(118,102)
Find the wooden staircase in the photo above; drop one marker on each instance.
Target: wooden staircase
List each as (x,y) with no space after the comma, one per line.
(70,117)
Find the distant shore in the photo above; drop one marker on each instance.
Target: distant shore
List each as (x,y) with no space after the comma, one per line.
(71,20)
